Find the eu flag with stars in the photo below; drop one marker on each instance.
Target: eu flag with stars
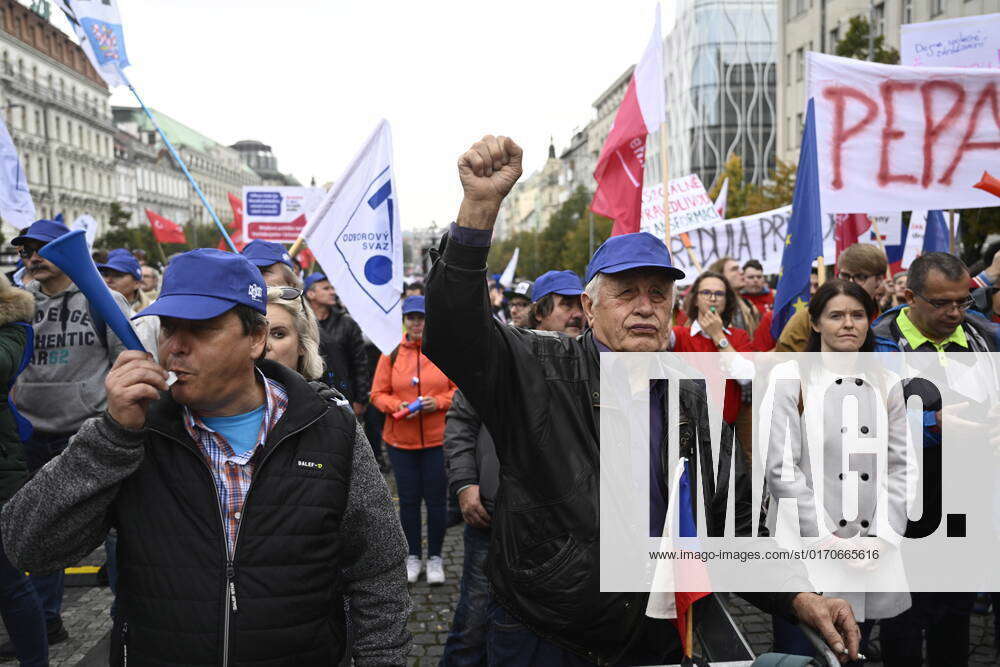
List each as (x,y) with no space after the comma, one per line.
(804,236)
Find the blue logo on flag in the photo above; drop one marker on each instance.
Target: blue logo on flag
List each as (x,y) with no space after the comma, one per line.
(107,40)
(367,242)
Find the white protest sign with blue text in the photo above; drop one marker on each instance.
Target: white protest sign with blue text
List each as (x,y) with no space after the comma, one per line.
(969,41)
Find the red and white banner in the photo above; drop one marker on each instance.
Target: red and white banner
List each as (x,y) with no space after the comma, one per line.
(277,213)
(164,229)
(903,138)
(621,165)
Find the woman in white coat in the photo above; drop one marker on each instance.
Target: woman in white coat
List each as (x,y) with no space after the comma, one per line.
(865,461)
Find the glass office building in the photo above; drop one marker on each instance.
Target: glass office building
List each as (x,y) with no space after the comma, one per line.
(719,66)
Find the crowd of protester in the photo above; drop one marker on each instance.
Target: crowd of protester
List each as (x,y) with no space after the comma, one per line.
(489,402)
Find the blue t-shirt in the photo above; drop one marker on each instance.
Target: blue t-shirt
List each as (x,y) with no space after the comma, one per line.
(240,431)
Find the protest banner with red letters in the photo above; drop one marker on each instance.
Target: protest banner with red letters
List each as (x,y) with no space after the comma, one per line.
(903,138)
(690,207)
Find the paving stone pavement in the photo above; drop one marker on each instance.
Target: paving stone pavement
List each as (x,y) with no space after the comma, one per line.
(85,613)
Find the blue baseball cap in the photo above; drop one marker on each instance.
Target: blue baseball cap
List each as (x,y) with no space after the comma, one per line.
(314,278)
(632,251)
(43,231)
(205,283)
(414,304)
(123,261)
(265,253)
(556,282)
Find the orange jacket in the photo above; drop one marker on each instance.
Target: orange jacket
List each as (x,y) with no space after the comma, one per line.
(412,375)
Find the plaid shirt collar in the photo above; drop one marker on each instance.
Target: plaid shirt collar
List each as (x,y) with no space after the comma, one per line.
(275,402)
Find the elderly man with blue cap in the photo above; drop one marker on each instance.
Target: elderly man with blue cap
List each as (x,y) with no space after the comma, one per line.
(540,397)
(63,386)
(248,505)
(274,262)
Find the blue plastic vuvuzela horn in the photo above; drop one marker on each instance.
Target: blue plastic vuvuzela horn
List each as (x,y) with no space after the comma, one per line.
(69,252)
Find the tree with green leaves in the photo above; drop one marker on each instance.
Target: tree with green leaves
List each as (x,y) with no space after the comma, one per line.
(854,44)
(564,243)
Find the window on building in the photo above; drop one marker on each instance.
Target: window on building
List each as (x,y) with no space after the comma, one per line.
(58,128)
(20,67)
(798,128)
(834,38)
(937,7)
(79,135)
(72,175)
(800,63)
(27,168)
(38,122)
(879,19)
(62,174)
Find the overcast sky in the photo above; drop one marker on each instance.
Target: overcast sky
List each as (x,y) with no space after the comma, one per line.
(312,77)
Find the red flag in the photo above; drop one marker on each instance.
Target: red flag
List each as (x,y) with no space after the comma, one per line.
(237,205)
(620,167)
(848,228)
(306,258)
(165,230)
(237,237)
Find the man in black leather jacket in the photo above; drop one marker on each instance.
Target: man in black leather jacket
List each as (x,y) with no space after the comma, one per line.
(538,393)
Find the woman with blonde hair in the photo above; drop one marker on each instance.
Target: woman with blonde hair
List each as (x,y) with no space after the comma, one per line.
(293,336)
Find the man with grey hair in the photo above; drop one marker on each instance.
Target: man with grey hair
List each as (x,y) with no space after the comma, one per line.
(539,394)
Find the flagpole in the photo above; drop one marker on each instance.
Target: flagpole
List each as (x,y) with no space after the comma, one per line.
(163,255)
(179,161)
(820,270)
(951,232)
(689,631)
(665,167)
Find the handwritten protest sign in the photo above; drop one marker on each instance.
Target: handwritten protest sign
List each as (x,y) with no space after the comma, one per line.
(970,41)
(760,236)
(690,207)
(902,138)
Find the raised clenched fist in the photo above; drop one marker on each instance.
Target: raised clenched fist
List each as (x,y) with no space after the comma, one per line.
(489,169)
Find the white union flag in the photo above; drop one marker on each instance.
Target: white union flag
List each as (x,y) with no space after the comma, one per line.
(355,235)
